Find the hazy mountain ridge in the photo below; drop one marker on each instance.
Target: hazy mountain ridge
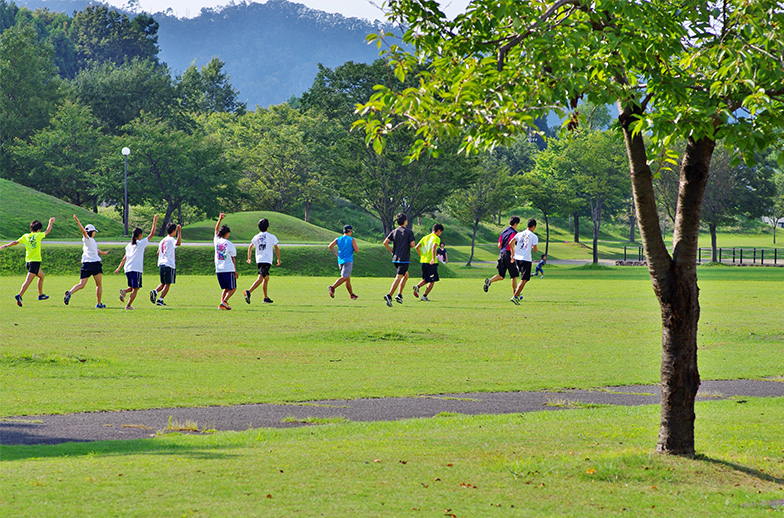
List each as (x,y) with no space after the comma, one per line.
(271,50)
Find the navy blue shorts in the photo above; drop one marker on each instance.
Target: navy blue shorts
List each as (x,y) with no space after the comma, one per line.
(227,280)
(134,279)
(90,269)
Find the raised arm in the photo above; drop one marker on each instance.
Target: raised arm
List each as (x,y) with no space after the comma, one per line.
(49,228)
(154,224)
(217,225)
(84,232)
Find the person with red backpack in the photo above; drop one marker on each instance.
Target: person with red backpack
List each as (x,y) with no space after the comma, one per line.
(506,262)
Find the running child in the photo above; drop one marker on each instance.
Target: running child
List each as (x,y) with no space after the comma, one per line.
(506,262)
(225,264)
(402,240)
(347,245)
(134,262)
(91,264)
(427,248)
(264,243)
(540,266)
(32,243)
(525,245)
(166,263)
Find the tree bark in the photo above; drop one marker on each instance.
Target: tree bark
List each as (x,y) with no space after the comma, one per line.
(576,218)
(674,280)
(596,219)
(473,241)
(632,224)
(714,249)
(307,212)
(547,234)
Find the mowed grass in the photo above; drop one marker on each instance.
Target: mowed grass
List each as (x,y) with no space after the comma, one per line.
(576,328)
(576,463)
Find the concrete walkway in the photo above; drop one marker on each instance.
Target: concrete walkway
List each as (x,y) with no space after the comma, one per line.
(137,424)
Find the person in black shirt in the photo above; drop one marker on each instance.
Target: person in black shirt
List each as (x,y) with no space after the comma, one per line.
(402,240)
(505,260)
(441,254)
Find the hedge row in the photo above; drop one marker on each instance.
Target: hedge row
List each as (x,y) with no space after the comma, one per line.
(315,261)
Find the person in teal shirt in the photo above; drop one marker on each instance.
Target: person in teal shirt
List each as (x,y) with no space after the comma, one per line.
(32,243)
(427,249)
(346,246)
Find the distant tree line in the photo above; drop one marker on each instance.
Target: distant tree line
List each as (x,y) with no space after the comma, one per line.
(75,90)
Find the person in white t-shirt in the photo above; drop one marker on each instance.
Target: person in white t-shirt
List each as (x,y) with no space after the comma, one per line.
(264,243)
(225,264)
(134,262)
(524,244)
(91,264)
(166,263)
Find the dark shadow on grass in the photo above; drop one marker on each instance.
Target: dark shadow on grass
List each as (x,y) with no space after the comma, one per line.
(743,469)
(151,446)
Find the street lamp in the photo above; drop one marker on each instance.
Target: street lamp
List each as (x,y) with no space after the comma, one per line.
(126,151)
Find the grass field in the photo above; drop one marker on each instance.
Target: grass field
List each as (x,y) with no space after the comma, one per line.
(577,328)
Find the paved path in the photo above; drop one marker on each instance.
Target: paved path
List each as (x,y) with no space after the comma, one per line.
(136,424)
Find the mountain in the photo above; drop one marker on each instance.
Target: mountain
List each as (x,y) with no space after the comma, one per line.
(271,50)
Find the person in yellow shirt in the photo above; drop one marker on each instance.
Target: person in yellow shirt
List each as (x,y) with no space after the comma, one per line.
(426,248)
(32,243)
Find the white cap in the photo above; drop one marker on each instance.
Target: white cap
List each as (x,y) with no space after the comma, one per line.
(91,228)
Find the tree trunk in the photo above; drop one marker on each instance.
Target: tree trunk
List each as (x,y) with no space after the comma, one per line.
(167,218)
(547,234)
(674,280)
(307,212)
(576,227)
(714,250)
(473,240)
(596,219)
(571,223)
(632,224)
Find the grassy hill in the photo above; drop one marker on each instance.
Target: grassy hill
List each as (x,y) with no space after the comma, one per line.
(244,225)
(20,205)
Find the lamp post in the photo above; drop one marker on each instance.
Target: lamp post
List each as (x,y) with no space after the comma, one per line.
(126,151)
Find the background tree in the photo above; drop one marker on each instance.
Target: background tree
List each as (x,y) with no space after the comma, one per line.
(63,158)
(471,205)
(29,88)
(208,90)
(776,210)
(715,73)
(734,190)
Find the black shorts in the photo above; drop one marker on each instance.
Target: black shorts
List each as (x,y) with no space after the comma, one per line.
(168,274)
(227,280)
(33,267)
(525,269)
(134,279)
(90,269)
(264,268)
(402,268)
(430,272)
(506,264)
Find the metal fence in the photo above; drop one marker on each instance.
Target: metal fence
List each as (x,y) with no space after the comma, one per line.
(736,256)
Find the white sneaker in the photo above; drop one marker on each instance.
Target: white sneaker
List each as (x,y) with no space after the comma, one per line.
(424,298)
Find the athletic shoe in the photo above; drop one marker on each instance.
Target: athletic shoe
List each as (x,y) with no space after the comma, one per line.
(424,298)
(399,298)
(122,295)
(416,290)
(18,300)
(388,300)
(67,297)
(515,301)
(246,293)
(541,276)
(520,297)
(354,297)
(267,300)
(153,296)
(100,306)
(487,285)
(128,307)
(43,297)
(331,290)
(160,302)
(223,305)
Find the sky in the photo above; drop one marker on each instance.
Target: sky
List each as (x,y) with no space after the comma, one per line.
(368,9)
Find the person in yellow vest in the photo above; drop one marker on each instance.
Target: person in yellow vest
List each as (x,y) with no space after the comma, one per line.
(32,243)
(426,248)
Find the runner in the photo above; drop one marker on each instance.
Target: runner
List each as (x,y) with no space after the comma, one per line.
(134,262)
(505,260)
(91,264)
(32,243)
(225,264)
(525,244)
(427,248)
(166,263)
(264,243)
(347,245)
(402,240)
